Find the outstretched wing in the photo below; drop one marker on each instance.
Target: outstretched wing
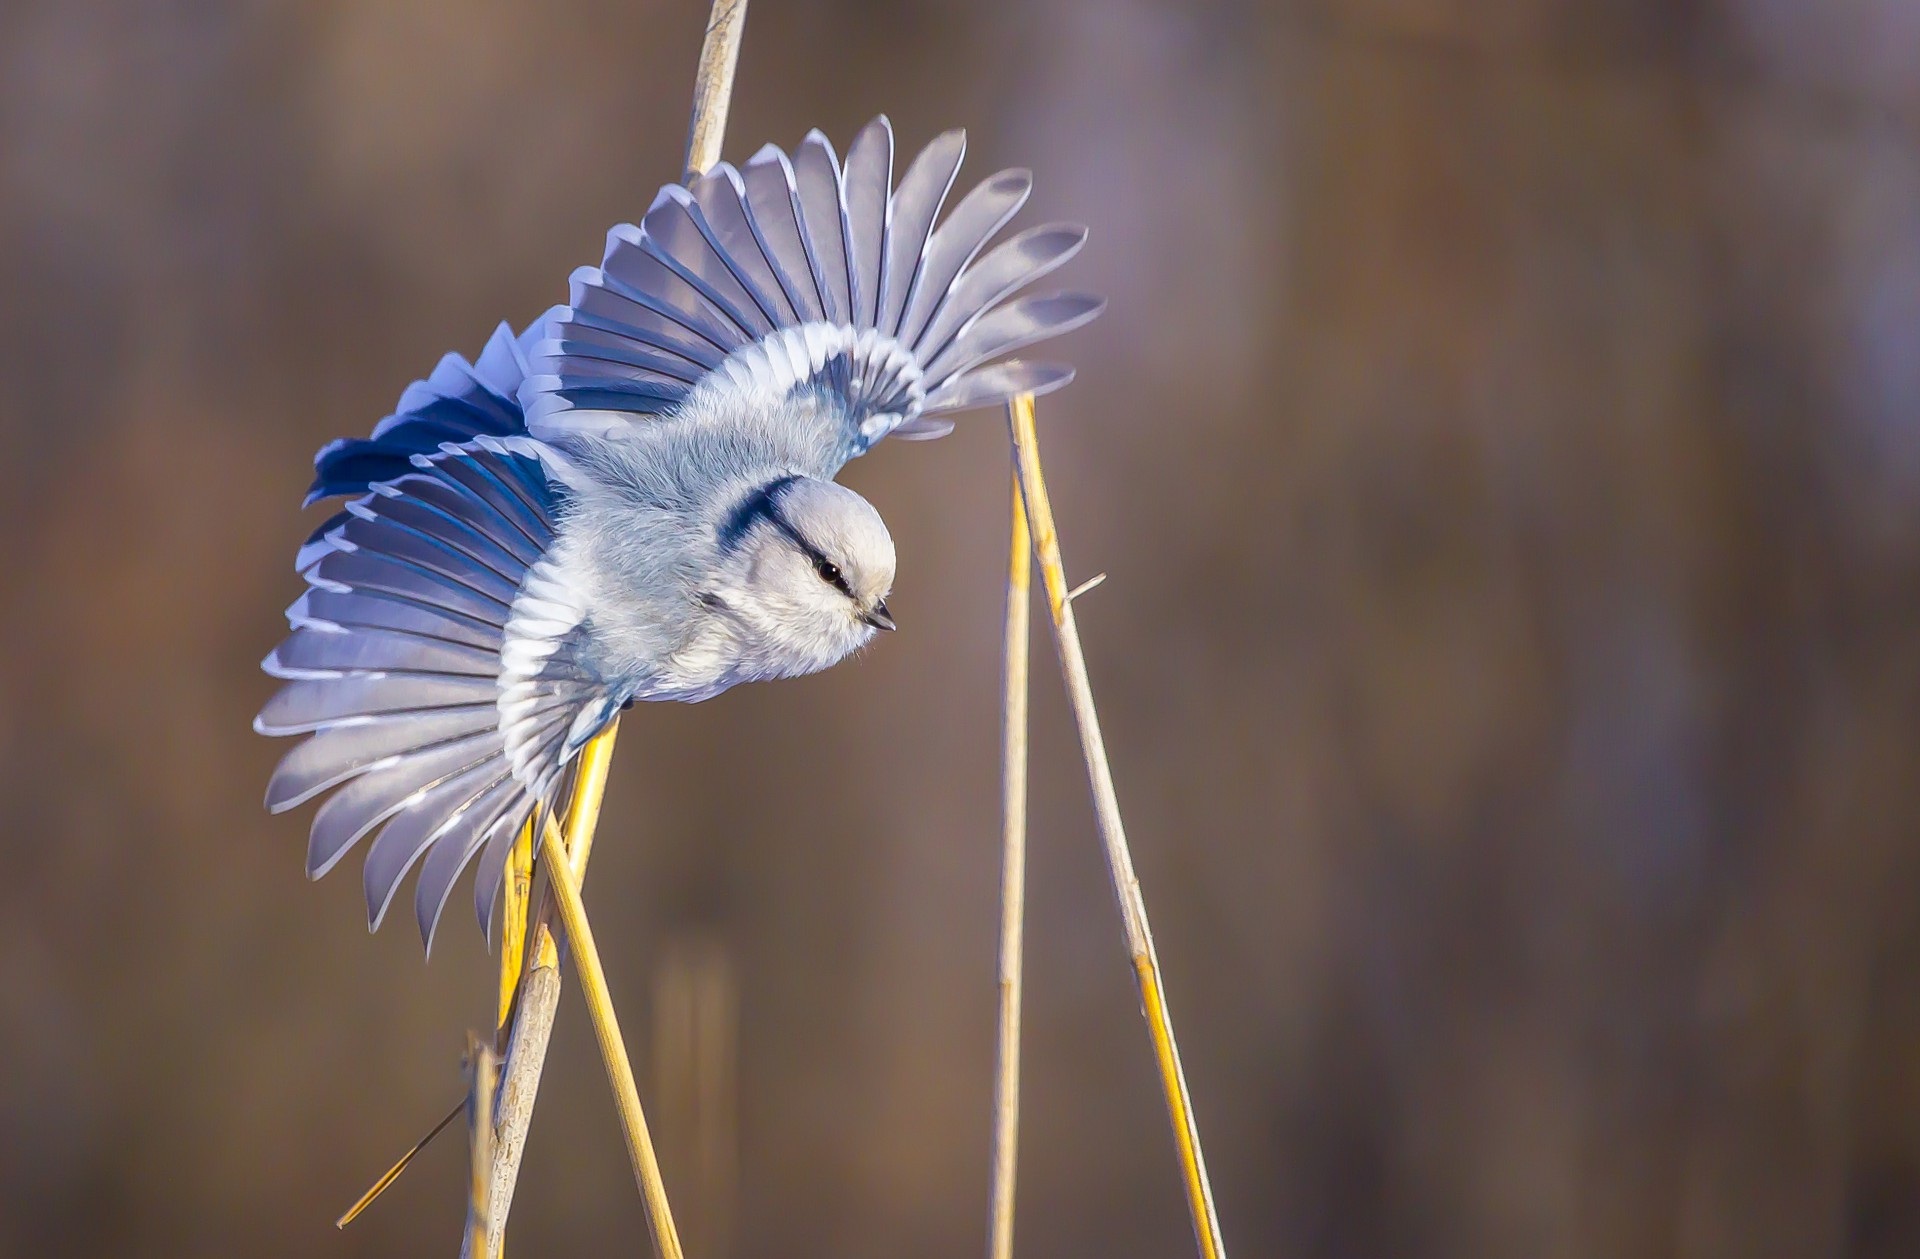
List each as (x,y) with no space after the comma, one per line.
(458,402)
(798,272)
(428,668)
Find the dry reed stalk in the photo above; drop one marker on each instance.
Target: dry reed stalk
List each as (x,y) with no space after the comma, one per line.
(1013,881)
(606,1030)
(713,84)
(393,1173)
(539,990)
(513,932)
(516,892)
(483,1070)
(1126,886)
(538,998)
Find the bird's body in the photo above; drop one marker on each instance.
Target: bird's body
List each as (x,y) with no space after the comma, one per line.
(633,499)
(674,620)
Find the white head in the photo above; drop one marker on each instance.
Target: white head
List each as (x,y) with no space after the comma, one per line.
(807,570)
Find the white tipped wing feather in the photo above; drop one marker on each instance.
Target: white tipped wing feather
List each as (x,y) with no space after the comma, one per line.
(771,264)
(395,670)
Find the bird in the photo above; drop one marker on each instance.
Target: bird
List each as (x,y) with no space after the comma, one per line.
(633,498)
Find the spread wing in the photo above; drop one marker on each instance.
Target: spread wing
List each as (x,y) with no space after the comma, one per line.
(429,661)
(796,271)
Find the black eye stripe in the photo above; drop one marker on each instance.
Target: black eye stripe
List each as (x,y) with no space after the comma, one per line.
(760,504)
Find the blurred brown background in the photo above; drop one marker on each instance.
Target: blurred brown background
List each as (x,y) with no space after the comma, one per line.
(1505,445)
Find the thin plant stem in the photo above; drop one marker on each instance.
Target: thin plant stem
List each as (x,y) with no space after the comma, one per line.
(1013,881)
(379,1187)
(538,984)
(516,892)
(606,1030)
(713,84)
(483,1070)
(538,998)
(513,931)
(1126,886)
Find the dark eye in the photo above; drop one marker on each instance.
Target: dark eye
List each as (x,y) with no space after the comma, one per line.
(829,573)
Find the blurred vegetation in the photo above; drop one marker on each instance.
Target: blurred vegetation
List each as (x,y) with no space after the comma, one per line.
(1505,445)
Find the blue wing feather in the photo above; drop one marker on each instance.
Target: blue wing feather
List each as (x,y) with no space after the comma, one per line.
(756,270)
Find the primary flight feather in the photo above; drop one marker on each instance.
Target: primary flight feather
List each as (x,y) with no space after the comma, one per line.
(633,499)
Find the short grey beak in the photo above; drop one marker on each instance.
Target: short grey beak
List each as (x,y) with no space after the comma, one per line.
(879,617)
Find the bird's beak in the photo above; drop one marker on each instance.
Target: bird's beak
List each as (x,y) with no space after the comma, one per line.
(879,617)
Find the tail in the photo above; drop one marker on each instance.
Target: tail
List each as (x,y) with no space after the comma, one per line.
(394,671)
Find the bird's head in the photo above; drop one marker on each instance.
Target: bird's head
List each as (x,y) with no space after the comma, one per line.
(810,569)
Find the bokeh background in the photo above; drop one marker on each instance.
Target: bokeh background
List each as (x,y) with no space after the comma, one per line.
(1504,443)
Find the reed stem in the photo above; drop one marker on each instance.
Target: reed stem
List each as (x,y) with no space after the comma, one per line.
(483,1071)
(538,996)
(516,892)
(538,990)
(606,1026)
(713,84)
(1013,881)
(1106,804)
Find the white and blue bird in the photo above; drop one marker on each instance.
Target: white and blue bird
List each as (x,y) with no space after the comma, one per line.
(634,498)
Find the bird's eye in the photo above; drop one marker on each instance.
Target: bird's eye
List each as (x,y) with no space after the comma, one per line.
(829,573)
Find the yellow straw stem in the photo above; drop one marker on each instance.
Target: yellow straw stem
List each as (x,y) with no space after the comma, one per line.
(483,1067)
(353,1212)
(1013,882)
(713,84)
(537,977)
(538,992)
(606,1030)
(513,927)
(583,818)
(1126,886)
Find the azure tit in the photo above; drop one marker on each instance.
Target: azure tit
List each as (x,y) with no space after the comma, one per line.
(634,498)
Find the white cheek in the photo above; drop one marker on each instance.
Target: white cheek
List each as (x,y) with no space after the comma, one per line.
(780,585)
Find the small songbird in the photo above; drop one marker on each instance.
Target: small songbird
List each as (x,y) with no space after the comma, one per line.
(633,499)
